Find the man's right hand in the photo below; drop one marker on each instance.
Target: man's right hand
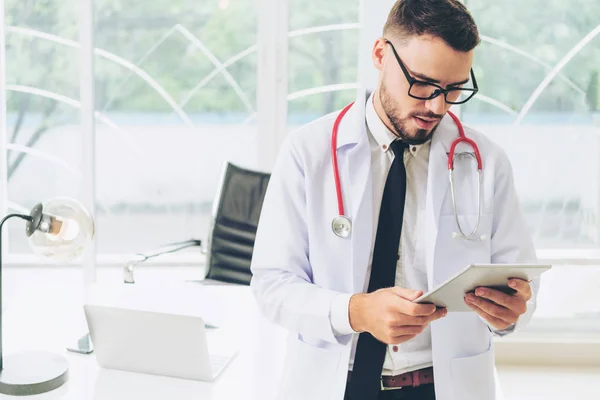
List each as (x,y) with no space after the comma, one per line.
(390,314)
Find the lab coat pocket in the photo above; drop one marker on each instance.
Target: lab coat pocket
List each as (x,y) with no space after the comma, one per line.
(455,252)
(309,371)
(473,377)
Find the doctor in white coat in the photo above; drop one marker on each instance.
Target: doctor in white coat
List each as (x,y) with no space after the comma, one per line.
(316,284)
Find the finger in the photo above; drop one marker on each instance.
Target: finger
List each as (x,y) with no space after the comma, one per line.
(513,303)
(497,323)
(407,330)
(415,309)
(425,319)
(406,304)
(492,309)
(407,294)
(522,287)
(498,297)
(401,339)
(441,312)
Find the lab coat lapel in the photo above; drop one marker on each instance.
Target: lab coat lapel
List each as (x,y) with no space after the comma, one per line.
(354,143)
(437,186)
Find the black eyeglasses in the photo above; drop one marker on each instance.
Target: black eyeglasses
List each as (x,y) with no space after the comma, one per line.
(422,90)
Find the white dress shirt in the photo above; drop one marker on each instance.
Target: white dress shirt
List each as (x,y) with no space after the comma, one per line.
(411,270)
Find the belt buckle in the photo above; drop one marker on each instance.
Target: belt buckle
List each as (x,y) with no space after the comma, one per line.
(384,388)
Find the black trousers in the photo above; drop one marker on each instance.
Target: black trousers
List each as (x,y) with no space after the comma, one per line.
(423,392)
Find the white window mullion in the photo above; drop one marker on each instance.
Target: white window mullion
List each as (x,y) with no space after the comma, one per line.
(3,130)
(3,123)
(88,125)
(272,80)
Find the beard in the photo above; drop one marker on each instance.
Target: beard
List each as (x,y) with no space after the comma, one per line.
(400,125)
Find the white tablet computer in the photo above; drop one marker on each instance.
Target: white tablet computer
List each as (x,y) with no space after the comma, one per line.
(451,293)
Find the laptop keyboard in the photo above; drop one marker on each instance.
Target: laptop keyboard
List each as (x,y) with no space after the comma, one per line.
(218,362)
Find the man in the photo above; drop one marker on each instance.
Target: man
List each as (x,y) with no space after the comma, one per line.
(356,333)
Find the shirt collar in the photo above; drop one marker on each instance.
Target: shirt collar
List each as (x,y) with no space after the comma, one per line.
(383,136)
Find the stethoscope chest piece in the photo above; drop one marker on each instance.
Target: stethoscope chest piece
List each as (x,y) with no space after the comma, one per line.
(341,226)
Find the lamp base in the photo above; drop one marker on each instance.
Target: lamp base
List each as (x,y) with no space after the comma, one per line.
(32,372)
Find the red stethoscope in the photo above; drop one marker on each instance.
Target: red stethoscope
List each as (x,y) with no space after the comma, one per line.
(342,226)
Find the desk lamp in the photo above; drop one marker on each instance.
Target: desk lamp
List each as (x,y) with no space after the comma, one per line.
(59,229)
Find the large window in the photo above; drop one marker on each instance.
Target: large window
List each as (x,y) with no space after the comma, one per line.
(323,58)
(42,92)
(538,69)
(176,89)
(175,94)
(176,97)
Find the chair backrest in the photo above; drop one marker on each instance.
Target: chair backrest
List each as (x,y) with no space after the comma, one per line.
(236,212)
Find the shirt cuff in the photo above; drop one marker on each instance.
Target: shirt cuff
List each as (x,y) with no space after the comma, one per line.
(503,332)
(498,332)
(339,315)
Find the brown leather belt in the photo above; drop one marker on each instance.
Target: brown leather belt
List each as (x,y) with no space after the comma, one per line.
(409,379)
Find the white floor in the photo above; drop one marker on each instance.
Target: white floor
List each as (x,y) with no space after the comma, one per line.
(549,383)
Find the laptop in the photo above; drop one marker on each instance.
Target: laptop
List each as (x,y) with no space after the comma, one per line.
(174,345)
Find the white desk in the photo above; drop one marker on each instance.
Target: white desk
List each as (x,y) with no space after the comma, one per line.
(44,311)
(47,316)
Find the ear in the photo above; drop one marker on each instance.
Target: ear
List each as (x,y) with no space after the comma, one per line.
(378,53)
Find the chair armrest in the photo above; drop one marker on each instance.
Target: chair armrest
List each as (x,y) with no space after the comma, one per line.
(139,258)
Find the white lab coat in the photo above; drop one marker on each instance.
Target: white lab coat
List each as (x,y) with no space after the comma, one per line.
(299,265)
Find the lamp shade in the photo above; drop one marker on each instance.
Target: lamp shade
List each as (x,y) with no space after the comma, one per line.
(60,229)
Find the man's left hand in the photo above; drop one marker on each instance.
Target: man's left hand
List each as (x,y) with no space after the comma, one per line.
(499,309)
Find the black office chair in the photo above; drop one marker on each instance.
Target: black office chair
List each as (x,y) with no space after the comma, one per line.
(236,210)
(235,219)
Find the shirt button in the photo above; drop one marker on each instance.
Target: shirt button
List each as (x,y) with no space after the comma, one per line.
(395,348)
(384,147)
(414,149)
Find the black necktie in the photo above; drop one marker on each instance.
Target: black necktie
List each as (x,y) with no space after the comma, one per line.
(370,352)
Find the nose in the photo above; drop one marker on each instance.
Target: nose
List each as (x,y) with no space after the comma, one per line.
(437,105)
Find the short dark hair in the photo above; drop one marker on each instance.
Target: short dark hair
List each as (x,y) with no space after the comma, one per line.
(447,19)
